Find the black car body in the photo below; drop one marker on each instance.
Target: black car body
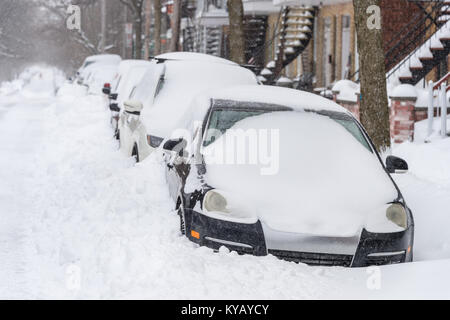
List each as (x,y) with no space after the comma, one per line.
(188,184)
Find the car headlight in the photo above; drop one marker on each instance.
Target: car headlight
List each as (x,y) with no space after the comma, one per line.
(397,214)
(215,202)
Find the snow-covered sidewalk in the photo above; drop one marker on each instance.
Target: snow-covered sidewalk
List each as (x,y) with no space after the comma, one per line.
(80,220)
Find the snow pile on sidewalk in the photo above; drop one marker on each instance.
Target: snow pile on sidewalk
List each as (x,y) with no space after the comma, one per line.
(426,188)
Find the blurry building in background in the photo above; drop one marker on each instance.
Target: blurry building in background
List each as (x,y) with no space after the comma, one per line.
(302,44)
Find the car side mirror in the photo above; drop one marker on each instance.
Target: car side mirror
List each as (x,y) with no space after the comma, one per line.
(106,91)
(133,107)
(176,145)
(396,165)
(114,107)
(113,96)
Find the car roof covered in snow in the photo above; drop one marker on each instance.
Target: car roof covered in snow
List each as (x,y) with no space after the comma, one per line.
(193,56)
(126,65)
(105,58)
(295,99)
(183,81)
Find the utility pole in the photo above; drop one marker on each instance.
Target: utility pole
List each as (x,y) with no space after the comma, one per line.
(103,25)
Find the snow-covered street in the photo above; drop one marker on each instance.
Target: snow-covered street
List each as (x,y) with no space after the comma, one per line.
(80,220)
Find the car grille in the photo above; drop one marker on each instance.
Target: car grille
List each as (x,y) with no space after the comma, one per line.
(314,259)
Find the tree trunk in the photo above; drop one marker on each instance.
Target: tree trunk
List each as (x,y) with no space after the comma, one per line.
(176,19)
(374,110)
(138,35)
(237,41)
(157,30)
(148,12)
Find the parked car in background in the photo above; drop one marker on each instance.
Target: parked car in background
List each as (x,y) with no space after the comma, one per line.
(106,59)
(165,92)
(98,75)
(266,170)
(129,74)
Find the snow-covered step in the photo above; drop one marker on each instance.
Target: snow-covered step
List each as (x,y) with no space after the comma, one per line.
(417,64)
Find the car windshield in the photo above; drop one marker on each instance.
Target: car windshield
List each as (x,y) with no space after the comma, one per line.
(222,119)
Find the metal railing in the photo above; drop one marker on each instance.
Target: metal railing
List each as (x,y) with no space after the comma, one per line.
(411,37)
(420,37)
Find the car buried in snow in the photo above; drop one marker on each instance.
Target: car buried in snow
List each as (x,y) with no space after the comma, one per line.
(266,170)
(100,59)
(165,91)
(129,74)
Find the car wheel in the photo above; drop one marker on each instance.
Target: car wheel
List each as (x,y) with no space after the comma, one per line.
(135,153)
(182,223)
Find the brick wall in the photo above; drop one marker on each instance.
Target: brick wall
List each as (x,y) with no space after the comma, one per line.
(396,14)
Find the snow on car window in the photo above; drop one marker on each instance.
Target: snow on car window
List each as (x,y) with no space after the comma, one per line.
(223,119)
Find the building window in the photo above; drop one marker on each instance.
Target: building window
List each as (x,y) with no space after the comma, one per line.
(345,53)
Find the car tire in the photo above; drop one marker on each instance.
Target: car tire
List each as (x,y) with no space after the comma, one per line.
(135,153)
(182,221)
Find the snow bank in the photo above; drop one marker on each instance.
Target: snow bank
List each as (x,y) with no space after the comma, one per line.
(428,161)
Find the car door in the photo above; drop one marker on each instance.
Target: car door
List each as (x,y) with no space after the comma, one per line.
(182,161)
(177,168)
(134,131)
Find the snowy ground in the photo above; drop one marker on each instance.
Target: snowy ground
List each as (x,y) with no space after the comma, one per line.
(80,220)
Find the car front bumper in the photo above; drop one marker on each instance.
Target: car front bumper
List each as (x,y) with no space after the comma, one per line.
(371,248)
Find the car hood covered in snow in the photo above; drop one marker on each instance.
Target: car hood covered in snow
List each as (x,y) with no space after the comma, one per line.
(311,176)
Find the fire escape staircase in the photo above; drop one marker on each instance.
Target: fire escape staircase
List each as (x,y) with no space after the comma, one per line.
(255,35)
(295,30)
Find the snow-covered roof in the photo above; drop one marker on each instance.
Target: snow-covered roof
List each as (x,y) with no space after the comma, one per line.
(125,65)
(183,80)
(194,56)
(307,2)
(105,58)
(295,99)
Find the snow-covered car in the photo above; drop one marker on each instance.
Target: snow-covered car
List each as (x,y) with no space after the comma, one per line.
(98,75)
(266,170)
(165,92)
(111,59)
(129,74)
